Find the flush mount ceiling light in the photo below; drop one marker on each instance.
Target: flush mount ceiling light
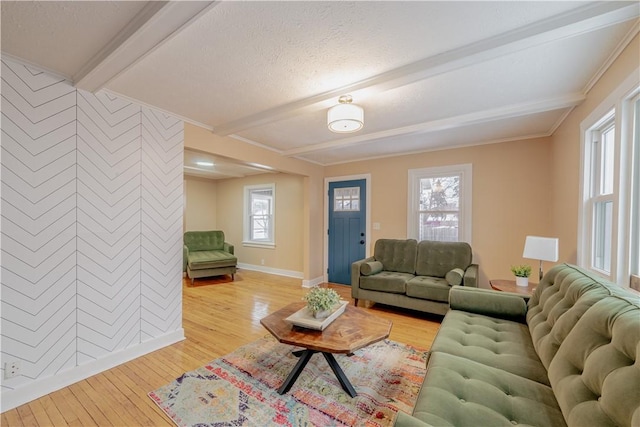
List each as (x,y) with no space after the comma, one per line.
(201,163)
(345,117)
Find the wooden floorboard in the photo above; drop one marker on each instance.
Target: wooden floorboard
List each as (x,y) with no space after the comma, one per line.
(218,317)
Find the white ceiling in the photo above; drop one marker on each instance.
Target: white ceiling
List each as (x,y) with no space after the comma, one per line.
(429,75)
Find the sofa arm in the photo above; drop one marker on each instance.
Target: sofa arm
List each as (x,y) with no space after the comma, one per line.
(471,276)
(405,420)
(355,275)
(228,247)
(505,305)
(185,256)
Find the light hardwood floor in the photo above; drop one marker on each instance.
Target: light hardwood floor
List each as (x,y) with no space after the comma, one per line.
(218,317)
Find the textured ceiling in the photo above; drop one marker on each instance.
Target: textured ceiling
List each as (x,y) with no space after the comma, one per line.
(429,75)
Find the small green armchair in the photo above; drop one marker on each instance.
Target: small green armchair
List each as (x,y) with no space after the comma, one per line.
(206,254)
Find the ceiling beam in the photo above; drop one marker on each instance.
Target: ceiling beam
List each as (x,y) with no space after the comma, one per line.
(517,110)
(578,21)
(154,25)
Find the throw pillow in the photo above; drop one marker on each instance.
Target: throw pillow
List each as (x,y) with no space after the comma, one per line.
(371,267)
(454,277)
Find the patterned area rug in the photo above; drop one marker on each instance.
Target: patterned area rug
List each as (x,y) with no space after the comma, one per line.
(240,388)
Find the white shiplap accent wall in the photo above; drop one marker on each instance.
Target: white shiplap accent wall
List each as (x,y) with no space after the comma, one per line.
(91,238)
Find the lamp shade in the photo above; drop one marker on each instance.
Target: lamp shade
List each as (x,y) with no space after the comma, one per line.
(345,117)
(541,248)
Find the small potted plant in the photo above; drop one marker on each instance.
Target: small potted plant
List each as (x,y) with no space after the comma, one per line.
(322,301)
(522,273)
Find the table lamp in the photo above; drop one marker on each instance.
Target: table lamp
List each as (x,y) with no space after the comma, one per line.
(541,248)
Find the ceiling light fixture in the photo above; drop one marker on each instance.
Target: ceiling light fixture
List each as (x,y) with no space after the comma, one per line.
(204,163)
(345,117)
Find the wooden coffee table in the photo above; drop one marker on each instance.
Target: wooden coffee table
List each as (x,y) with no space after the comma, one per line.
(352,330)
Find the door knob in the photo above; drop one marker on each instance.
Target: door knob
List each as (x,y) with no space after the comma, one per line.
(362,242)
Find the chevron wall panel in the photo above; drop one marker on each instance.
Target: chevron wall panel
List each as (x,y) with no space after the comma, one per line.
(162,208)
(108,225)
(91,237)
(38,243)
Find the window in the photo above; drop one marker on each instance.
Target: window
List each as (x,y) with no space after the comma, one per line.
(440,204)
(259,218)
(608,240)
(635,199)
(600,203)
(346,199)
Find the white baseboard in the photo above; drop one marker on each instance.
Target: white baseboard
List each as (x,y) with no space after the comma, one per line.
(270,270)
(313,282)
(39,387)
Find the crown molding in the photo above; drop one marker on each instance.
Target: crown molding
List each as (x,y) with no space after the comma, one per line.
(440,148)
(35,66)
(614,55)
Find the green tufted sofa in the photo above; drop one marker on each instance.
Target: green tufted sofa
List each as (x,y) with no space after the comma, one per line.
(206,254)
(408,274)
(568,357)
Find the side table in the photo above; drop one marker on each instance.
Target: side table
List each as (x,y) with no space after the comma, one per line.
(510,286)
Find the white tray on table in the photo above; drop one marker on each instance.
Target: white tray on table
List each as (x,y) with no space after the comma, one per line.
(304,317)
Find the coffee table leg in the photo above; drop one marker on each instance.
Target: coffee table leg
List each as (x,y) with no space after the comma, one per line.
(295,373)
(337,370)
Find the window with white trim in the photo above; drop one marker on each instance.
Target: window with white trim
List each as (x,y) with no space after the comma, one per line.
(634,247)
(259,214)
(440,203)
(608,241)
(600,203)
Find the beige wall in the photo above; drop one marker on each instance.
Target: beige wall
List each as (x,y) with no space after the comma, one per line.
(510,189)
(565,152)
(289,211)
(199,204)
(312,229)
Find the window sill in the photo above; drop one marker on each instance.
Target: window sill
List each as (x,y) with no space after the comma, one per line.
(259,245)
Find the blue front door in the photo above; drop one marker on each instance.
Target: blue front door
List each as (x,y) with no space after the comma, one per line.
(347,219)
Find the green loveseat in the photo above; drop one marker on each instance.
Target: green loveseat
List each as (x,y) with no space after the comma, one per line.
(568,357)
(206,254)
(408,274)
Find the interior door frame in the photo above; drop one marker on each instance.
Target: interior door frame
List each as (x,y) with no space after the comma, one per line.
(327,181)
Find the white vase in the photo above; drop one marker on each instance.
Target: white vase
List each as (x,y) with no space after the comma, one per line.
(522,281)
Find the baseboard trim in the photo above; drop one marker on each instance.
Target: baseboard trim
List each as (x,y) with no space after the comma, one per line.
(270,270)
(40,387)
(313,282)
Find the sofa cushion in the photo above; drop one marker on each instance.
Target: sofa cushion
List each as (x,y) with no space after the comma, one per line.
(386,281)
(454,277)
(438,258)
(595,373)
(371,267)
(425,287)
(396,255)
(211,259)
(561,298)
(460,392)
(204,240)
(491,341)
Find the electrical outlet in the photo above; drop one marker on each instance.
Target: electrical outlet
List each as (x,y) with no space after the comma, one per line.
(12,369)
(262,261)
